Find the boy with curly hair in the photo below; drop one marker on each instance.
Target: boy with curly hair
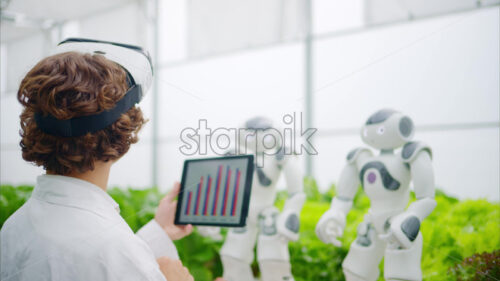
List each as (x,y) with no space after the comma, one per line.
(70,228)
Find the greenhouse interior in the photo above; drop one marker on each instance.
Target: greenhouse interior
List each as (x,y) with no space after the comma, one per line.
(328,99)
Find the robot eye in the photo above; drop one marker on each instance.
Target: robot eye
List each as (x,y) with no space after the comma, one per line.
(381,130)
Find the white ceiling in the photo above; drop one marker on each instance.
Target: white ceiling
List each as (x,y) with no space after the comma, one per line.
(36,12)
(9,32)
(61,9)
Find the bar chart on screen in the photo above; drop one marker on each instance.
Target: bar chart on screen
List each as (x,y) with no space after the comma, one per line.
(213,192)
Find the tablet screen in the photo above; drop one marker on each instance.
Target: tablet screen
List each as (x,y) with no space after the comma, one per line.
(215,191)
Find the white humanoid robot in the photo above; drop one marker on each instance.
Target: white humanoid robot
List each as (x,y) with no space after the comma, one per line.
(389,229)
(268,227)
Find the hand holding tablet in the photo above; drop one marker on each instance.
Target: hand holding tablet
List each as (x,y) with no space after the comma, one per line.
(215,191)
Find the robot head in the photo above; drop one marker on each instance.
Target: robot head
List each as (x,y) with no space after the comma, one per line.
(387,129)
(259,136)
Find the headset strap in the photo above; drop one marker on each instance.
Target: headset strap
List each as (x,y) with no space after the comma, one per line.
(79,126)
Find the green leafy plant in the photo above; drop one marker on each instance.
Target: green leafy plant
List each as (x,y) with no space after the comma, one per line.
(455,230)
(11,199)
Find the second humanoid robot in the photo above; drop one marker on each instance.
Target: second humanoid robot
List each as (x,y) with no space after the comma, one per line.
(266,226)
(390,229)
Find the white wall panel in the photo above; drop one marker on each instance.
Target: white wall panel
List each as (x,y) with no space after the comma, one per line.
(126,24)
(22,56)
(13,169)
(60,10)
(225,25)
(228,90)
(9,119)
(381,11)
(438,71)
(3,69)
(172,30)
(170,164)
(336,15)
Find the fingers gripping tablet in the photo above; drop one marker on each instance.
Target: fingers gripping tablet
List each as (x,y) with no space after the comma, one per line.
(215,191)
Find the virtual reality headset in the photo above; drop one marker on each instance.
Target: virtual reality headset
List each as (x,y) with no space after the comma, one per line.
(133,59)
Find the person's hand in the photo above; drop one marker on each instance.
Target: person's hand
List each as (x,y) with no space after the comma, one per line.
(165,215)
(173,270)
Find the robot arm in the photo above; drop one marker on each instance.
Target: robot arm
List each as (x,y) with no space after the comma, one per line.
(288,222)
(405,227)
(332,222)
(423,182)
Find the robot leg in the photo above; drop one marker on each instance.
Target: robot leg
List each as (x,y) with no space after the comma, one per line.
(364,255)
(236,270)
(275,270)
(237,253)
(404,264)
(272,249)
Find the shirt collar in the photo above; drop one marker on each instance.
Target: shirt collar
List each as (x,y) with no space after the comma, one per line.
(70,191)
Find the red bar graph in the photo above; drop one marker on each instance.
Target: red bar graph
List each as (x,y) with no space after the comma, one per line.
(207,195)
(188,206)
(226,191)
(197,204)
(235,194)
(217,184)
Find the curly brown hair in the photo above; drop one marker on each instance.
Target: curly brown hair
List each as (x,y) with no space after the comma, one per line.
(69,85)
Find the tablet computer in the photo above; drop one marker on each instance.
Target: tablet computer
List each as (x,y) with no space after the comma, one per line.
(215,191)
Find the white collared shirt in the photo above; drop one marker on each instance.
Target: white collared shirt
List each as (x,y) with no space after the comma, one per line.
(71,229)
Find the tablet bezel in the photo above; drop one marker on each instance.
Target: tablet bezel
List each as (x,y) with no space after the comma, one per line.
(246,196)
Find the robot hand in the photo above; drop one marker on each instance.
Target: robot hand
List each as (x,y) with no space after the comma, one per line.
(330,227)
(211,232)
(402,230)
(288,225)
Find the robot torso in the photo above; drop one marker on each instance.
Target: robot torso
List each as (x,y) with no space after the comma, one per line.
(264,183)
(385,179)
